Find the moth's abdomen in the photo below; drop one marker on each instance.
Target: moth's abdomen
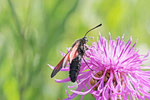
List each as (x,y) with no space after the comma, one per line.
(75,68)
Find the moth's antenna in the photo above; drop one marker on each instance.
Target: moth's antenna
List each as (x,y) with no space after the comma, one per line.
(92,29)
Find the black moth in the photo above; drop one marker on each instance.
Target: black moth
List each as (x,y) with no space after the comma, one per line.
(74,57)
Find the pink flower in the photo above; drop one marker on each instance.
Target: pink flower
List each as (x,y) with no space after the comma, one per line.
(117,72)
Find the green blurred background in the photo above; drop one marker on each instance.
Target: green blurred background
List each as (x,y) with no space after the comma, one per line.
(33,32)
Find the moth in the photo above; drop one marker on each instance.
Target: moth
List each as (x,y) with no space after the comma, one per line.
(74,57)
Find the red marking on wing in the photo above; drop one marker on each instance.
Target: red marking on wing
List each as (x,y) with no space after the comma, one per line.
(73,52)
(68,57)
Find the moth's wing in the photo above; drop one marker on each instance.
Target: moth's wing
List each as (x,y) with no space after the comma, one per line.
(68,57)
(58,67)
(73,53)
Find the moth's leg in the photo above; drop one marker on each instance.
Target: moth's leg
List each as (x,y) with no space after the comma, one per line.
(86,55)
(87,64)
(85,47)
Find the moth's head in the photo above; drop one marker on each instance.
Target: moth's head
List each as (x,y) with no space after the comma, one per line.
(84,40)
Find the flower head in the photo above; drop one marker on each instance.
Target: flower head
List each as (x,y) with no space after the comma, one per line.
(117,72)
